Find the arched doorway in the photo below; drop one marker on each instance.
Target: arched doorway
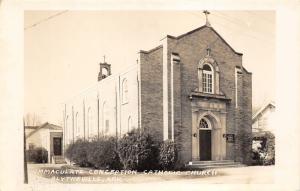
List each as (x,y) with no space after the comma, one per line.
(208,142)
(205,139)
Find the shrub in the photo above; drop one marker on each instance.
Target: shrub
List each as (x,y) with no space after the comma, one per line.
(37,155)
(167,155)
(77,152)
(263,151)
(102,153)
(137,151)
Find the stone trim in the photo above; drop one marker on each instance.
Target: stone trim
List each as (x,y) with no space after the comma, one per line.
(195,94)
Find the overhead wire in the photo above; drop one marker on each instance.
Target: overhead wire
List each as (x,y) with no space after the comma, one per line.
(45,19)
(264,40)
(234,20)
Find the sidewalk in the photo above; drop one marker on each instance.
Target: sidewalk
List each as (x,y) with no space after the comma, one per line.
(241,175)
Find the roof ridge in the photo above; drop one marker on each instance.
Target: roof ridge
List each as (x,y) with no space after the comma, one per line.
(151,50)
(200,28)
(265,105)
(40,127)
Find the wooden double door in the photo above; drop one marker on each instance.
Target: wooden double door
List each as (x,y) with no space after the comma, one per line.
(205,144)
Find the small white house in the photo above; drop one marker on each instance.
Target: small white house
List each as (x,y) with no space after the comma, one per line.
(263,119)
(48,136)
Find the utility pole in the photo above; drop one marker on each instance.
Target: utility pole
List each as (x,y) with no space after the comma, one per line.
(25,160)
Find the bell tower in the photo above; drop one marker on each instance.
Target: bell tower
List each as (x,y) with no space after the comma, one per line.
(105,70)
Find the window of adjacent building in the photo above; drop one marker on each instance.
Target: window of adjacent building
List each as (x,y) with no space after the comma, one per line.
(207,79)
(31,146)
(124,91)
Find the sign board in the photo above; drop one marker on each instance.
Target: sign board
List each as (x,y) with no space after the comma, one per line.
(230,138)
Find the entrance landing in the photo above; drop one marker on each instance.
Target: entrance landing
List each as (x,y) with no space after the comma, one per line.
(213,164)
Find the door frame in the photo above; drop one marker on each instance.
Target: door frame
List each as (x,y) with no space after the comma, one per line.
(60,138)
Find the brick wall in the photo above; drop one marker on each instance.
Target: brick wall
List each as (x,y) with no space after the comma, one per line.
(151,92)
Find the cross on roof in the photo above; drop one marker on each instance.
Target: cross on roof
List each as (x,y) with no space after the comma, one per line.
(103,58)
(206,16)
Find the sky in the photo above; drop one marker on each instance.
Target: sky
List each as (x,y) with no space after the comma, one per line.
(63,49)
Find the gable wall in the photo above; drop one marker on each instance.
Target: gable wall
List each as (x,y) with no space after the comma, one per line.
(191,49)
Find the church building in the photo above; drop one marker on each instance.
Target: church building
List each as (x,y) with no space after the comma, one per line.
(192,89)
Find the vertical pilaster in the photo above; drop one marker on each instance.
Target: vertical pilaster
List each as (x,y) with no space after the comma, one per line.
(223,131)
(165,90)
(175,94)
(195,131)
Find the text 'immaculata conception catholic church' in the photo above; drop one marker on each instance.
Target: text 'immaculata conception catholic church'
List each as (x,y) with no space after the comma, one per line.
(192,89)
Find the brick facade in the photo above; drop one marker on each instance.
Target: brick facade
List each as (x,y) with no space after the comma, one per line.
(180,79)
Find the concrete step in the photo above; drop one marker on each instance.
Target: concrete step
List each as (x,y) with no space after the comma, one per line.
(213,164)
(219,166)
(59,160)
(216,164)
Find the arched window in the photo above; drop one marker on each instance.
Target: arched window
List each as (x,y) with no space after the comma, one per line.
(124,91)
(104,72)
(105,118)
(129,123)
(205,124)
(77,124)
(67,130)
(89,122)
(208,79)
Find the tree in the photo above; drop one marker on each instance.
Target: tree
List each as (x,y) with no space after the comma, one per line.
(268,149)
(263,152)
(137,151)
(32,119)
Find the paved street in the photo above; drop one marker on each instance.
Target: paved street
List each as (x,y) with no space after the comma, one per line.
(242,175)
